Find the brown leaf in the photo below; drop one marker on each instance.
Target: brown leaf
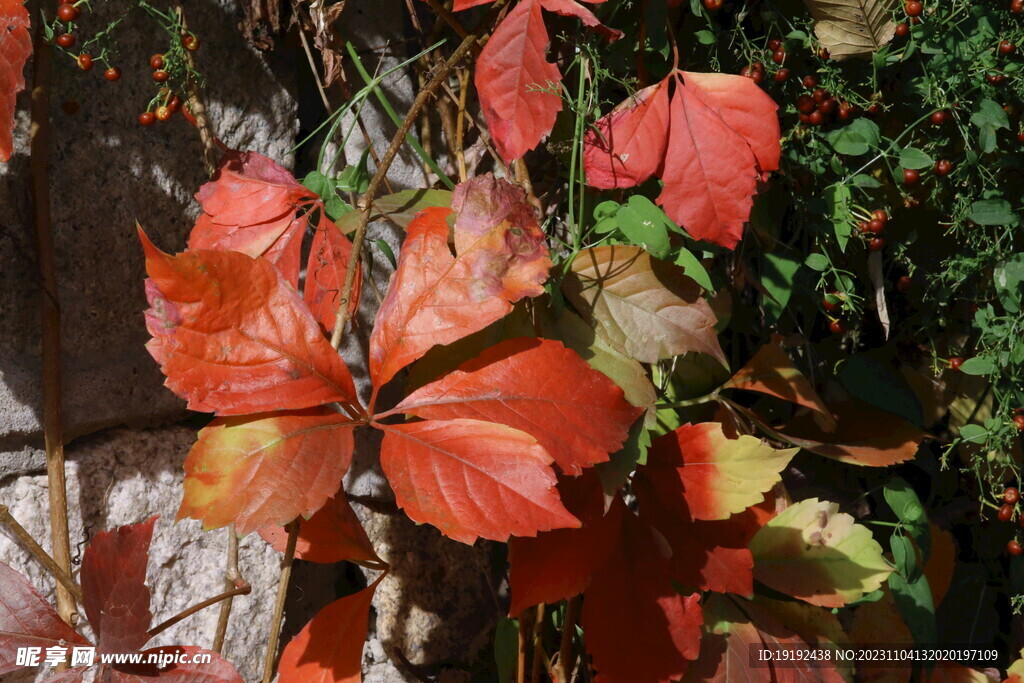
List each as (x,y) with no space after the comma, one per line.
(852,28)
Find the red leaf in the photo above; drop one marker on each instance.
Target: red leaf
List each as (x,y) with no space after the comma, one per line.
(865,436)
(329,649)
(466,4)
(15,49)
(637,627)
(559,564)
(540,387)
(233,337)
(514,81)
(626,146)
(331,535)
(262,470)
(571,8)
(116,597)
(471,479)
(27,620)
(325,274)
(217,670)
(251,207)
(703,474)
(436,298)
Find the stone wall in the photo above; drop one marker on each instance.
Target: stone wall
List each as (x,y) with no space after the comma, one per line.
(127,439)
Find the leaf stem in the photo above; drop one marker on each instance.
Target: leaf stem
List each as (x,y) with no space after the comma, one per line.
(566,657)
(63,577)
(231,578)
(39,146)
(242,589)
(270,656)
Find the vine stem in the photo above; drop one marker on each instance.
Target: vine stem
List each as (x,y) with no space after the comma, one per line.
(566,660)
(232,577)
(243,589)
(196,106)
(53,430)
(63,577)
(538,644)
(365,203)
(270,656)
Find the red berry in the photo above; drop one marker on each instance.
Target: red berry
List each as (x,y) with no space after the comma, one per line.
(874,110)
(902,30)
(823,53)
(112,74)
(904,284)
(955,362)
(875,226)
(774,44)
(174,104)
(881,215)
(804,104)
(910,176)
(995,79)
(832,302)
(779,56)
(713,5)
(828,106)
(66,40)
(876,244)
(156,62)
(1007,48)
(939,117)
(147,118)
(913,8)
(1020,136)
(757,76)
(191,42)
(812,80)
(836,327)
(84,60)
(782,75)
(1011,495)
(163,113)
(1017,6)
(1018,422)
(943,167)
(1014,548)
(816,118)
(160,75)
(67,13)
(847,111)
(1005,513)
(820,95)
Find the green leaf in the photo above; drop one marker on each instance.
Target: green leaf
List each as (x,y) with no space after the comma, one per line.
(855,139)
(978,365)
(643,224)
(972,433)
(705,37)
(875,382)
(865,181)
(606,209)
(990,114)
(815,553)
(911,157)
(694,269)
(336,207)
(778,271)
(1007,278)
(818,262)
(903,556)
(616,471)
(992,212)
(355,178)
(914,601)
(317,182)
(506,648)
(389,254)
(908,509)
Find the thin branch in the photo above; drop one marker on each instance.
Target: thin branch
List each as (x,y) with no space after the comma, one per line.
(243,589)
(270,656)
(538,644)
(522,646)
(365,203)
(196,106)
(566,657)
(53,430)
(8,520)
(231,578)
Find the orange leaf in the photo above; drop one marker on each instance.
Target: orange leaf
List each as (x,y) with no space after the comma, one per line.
(331,535)
(627,146)
(233,337)
(329,258)
(637,627)
(263,470)
(571,8)
(772,372)
(116,597)
(251,207)
(538,386)
(559,564)
(517,86)
(329,649)
(437,298)
(865,436)
(472,479)
(15,49)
